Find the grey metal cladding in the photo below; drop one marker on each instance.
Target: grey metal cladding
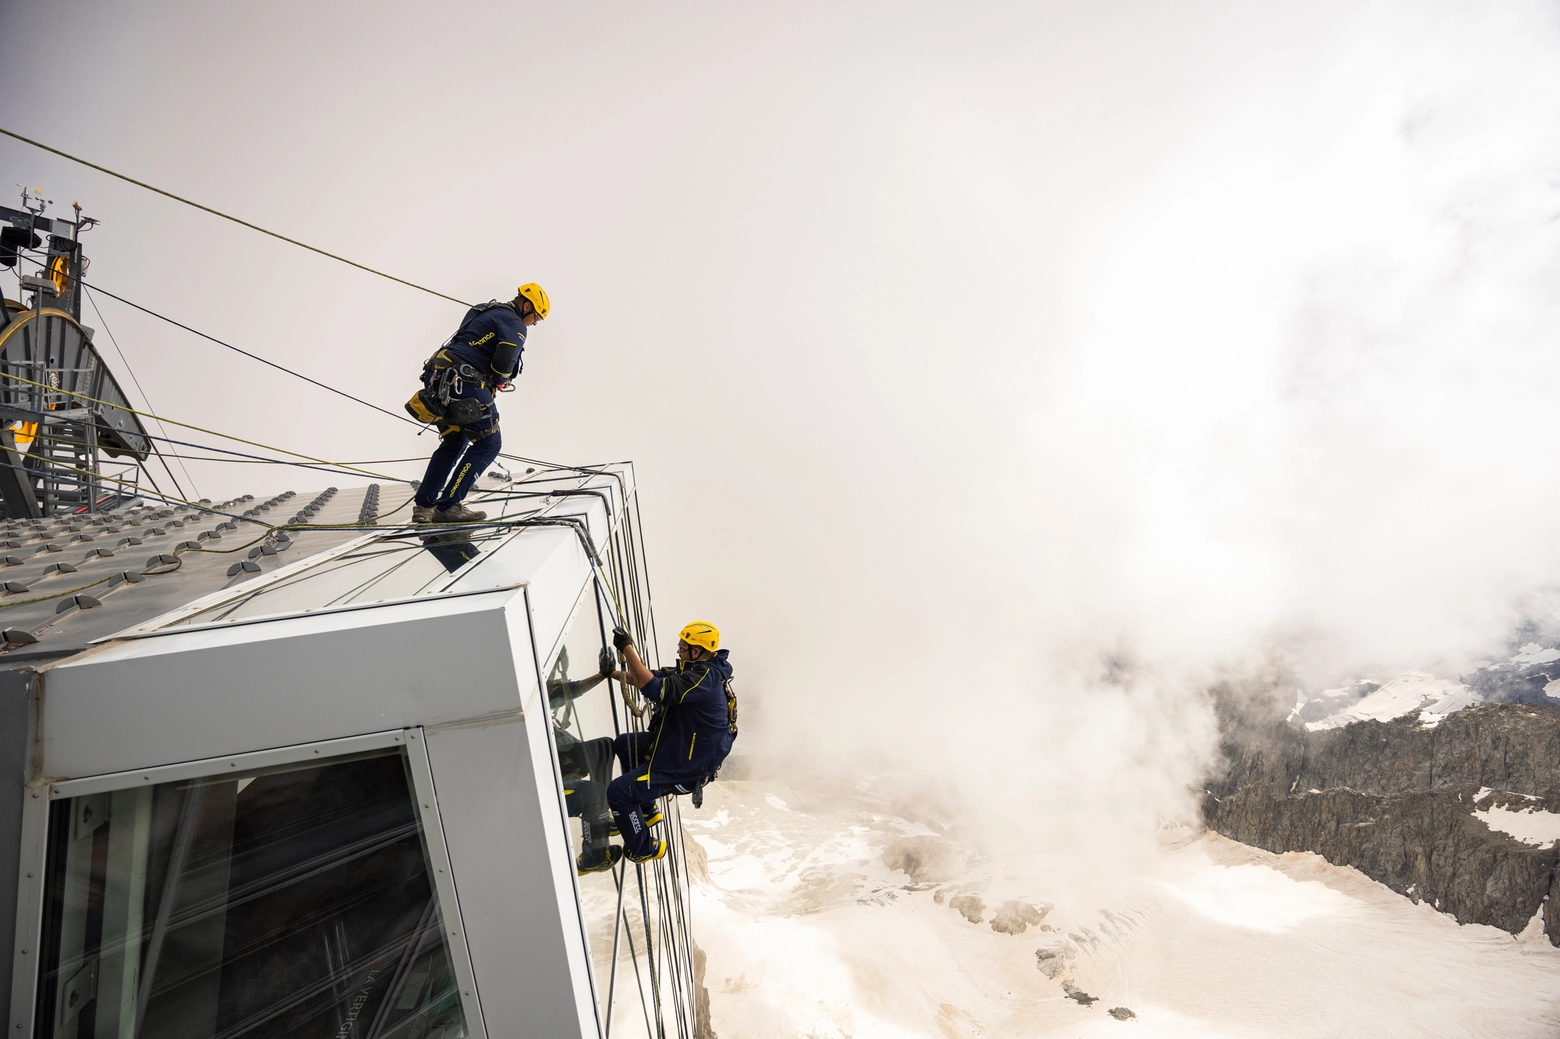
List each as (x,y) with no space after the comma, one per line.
(126,603)
(16,737)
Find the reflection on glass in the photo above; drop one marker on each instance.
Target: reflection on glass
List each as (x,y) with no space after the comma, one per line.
(292,903)
(584,724)
(579,697)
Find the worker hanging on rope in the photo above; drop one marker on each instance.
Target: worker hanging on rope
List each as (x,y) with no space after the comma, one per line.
(683,748)
(482,357)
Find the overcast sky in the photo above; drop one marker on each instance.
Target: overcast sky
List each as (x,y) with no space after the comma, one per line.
(959,347)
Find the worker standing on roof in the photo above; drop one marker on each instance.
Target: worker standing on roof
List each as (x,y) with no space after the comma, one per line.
(481,358)
(687,741)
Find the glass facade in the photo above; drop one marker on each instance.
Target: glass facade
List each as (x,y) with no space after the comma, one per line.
(582,704)
(292,902)
(586,716)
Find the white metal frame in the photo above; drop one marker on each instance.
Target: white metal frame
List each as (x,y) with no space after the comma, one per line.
(35,826)
(143,633)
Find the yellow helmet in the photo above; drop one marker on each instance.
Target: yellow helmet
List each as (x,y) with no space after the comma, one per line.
(701,633)
(533,292)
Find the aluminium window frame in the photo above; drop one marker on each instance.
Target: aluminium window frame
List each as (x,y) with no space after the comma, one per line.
(35,826)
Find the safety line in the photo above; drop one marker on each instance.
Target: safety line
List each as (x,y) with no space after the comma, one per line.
(149,571)
(256,460)
(140,492)
(225,216)
(199,429)
(176,552)
(252,460)
(135,379)
(251,356)
(324,386)
(332,468)
(545,464)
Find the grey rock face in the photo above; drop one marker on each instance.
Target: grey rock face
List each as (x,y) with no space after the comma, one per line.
(1014,917)
(923,859)
(1395,800)
(1515,683)
(1513,747)
(971,907)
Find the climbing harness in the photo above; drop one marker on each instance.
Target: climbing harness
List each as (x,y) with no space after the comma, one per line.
(440,400)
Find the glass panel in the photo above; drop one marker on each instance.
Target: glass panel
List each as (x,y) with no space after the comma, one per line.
(581,701)
(585,720)
(293,903)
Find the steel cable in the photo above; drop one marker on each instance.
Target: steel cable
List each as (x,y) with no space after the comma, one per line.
(225,216)
(144,398)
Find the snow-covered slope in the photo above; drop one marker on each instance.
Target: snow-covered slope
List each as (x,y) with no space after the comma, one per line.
(1415,691)
(811,930)
(1531,675)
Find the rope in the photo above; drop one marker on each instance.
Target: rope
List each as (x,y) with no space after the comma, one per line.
(252,356)
(598,470)
(140,493)
(243,459)
(148,400)
(225,216)
(333,468)
(151,571)
(199,429)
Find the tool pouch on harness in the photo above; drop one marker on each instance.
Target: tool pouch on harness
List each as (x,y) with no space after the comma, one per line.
(463,413)
(439,401)
(425,406)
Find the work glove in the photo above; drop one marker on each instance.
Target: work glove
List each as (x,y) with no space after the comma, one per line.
(607,662)
(621,639)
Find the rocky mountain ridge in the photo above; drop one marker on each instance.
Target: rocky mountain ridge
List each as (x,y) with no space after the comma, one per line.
(1397,801)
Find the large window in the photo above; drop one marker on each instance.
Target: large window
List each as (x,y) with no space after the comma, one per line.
(291,902)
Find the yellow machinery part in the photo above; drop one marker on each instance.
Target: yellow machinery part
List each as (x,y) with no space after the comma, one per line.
(25,433)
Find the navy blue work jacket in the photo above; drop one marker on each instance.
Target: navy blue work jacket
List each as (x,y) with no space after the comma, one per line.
(693,733)
(491,339)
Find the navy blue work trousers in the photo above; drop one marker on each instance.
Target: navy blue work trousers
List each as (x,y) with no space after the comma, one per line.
(632,795)
(464,452)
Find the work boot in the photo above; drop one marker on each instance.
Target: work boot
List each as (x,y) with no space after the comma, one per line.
(423,514)
(611,858)
(657,851)
(458,513)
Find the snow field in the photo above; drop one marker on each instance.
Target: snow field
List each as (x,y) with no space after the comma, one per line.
(810,933)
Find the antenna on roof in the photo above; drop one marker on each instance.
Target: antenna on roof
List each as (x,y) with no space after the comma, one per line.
(62,412)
